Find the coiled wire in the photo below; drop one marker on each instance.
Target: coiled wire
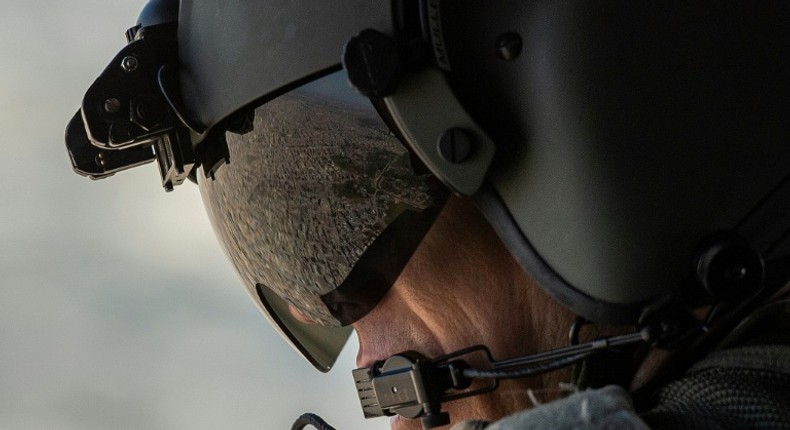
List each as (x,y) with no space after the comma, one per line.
(309,419)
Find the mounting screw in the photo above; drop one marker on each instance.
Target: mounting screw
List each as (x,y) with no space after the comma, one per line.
(456,145)
(129,63)
(508,46)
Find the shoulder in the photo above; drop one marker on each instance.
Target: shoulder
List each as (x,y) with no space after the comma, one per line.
(606,408)
(743,384)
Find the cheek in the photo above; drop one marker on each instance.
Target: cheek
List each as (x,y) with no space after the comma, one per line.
(392,328)
(382,334)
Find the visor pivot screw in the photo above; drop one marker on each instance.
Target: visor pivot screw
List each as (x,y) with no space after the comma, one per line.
(373,64)
(129,63)
(456,145)
(508,46)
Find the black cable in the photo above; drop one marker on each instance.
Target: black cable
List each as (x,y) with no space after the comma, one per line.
(526,371)
(643,335)
(309,419)
(555,359)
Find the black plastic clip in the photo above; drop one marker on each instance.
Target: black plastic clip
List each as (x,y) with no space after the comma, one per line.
(412,386)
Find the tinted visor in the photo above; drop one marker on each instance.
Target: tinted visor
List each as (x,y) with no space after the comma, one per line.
(320,209)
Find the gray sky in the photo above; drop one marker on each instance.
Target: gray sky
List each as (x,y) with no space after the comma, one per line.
(117,308)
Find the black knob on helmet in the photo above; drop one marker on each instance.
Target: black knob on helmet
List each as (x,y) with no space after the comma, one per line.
(728,268)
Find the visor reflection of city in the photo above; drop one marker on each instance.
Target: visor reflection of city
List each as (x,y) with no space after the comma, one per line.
(320,203)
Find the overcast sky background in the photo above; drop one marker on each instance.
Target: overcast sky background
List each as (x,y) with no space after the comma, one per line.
(117,308)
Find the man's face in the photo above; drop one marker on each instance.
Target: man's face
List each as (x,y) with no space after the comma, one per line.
(462,288)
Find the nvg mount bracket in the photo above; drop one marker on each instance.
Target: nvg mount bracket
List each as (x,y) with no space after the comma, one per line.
(127,120)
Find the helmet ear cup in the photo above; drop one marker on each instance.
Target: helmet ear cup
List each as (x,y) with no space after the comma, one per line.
(728,268)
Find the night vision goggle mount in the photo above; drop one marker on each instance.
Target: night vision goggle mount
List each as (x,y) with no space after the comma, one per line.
(132,115)
(125,119)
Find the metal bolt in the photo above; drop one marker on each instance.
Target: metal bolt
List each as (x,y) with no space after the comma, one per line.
(456,145)
(129,63)
(112,106)
(508,46)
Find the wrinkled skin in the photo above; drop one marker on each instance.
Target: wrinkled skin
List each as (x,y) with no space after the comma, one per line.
(463,288)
